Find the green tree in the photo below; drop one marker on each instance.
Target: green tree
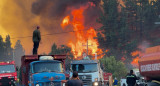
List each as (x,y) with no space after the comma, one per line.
(62,50)
(18,52)
(8,49)
(116,35)
(117,68)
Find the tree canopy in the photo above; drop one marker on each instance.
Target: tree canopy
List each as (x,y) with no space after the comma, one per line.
(123,31)
(117,68)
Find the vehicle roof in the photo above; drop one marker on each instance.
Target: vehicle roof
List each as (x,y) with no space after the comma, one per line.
(7,63)
(56,61)
(84,62)
(151,54)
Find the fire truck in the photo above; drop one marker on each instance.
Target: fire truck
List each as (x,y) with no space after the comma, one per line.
(39,70)
(149,66)
(8,74)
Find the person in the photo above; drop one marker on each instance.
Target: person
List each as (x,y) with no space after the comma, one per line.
(36,39)
(115,83)
(131,79)
(74,81)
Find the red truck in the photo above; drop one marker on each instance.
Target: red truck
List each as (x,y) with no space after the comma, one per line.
(149,65)
(108,79)
(8,74)
(40,70)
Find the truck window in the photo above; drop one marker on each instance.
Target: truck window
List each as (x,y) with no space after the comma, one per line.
(84,67)
(47,67)
(7,68)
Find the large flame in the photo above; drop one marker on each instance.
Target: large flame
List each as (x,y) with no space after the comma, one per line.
(83,34)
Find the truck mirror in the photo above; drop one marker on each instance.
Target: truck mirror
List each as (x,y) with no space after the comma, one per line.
(24,69)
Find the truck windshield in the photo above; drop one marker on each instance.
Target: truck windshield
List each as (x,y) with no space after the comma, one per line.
(47,67)
(83,68)
(7,68)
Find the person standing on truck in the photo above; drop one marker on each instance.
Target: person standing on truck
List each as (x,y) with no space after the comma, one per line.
(36,39)
(74,81)
(131,79)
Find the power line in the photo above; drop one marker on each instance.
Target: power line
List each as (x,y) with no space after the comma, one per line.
(51,34)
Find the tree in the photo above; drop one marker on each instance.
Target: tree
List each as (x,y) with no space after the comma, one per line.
(1,49)
(8,49)
(18,52)
(115,34)
(117,68)
(63,50)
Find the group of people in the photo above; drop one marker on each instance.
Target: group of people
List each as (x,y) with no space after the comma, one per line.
(75,81)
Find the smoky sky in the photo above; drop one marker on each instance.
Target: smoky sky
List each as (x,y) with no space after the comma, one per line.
(57,8)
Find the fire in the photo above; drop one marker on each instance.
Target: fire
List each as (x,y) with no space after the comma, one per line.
(84,36)
(65,21)
(135,53)
(135,60)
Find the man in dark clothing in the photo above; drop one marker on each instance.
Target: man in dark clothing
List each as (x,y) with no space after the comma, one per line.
(36,39)
(75,81)
(131,79)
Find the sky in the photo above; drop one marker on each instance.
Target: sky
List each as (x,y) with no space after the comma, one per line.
(19,18)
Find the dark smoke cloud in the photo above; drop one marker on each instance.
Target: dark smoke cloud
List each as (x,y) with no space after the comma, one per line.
(53,11)
(57,8)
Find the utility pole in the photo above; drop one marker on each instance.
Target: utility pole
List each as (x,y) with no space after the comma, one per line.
(87,46)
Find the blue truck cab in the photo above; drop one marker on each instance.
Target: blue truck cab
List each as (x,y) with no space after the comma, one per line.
(46,71)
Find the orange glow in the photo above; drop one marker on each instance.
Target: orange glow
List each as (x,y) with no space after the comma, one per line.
(121,2)
(135,53)
(135,62)
(65,21)
(82,34)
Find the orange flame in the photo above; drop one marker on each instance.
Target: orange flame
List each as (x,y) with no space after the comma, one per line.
(65,21)
(135,60)
(82,33)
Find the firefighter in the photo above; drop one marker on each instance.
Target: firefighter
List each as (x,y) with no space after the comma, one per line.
(131,79)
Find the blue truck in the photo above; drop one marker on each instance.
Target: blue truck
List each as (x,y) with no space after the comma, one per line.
(39,70)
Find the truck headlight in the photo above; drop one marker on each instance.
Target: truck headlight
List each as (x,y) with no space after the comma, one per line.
(95,84)
(37,85)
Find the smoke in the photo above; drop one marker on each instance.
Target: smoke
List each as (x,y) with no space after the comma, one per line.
(18,18)
(143,46)
(57,8)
